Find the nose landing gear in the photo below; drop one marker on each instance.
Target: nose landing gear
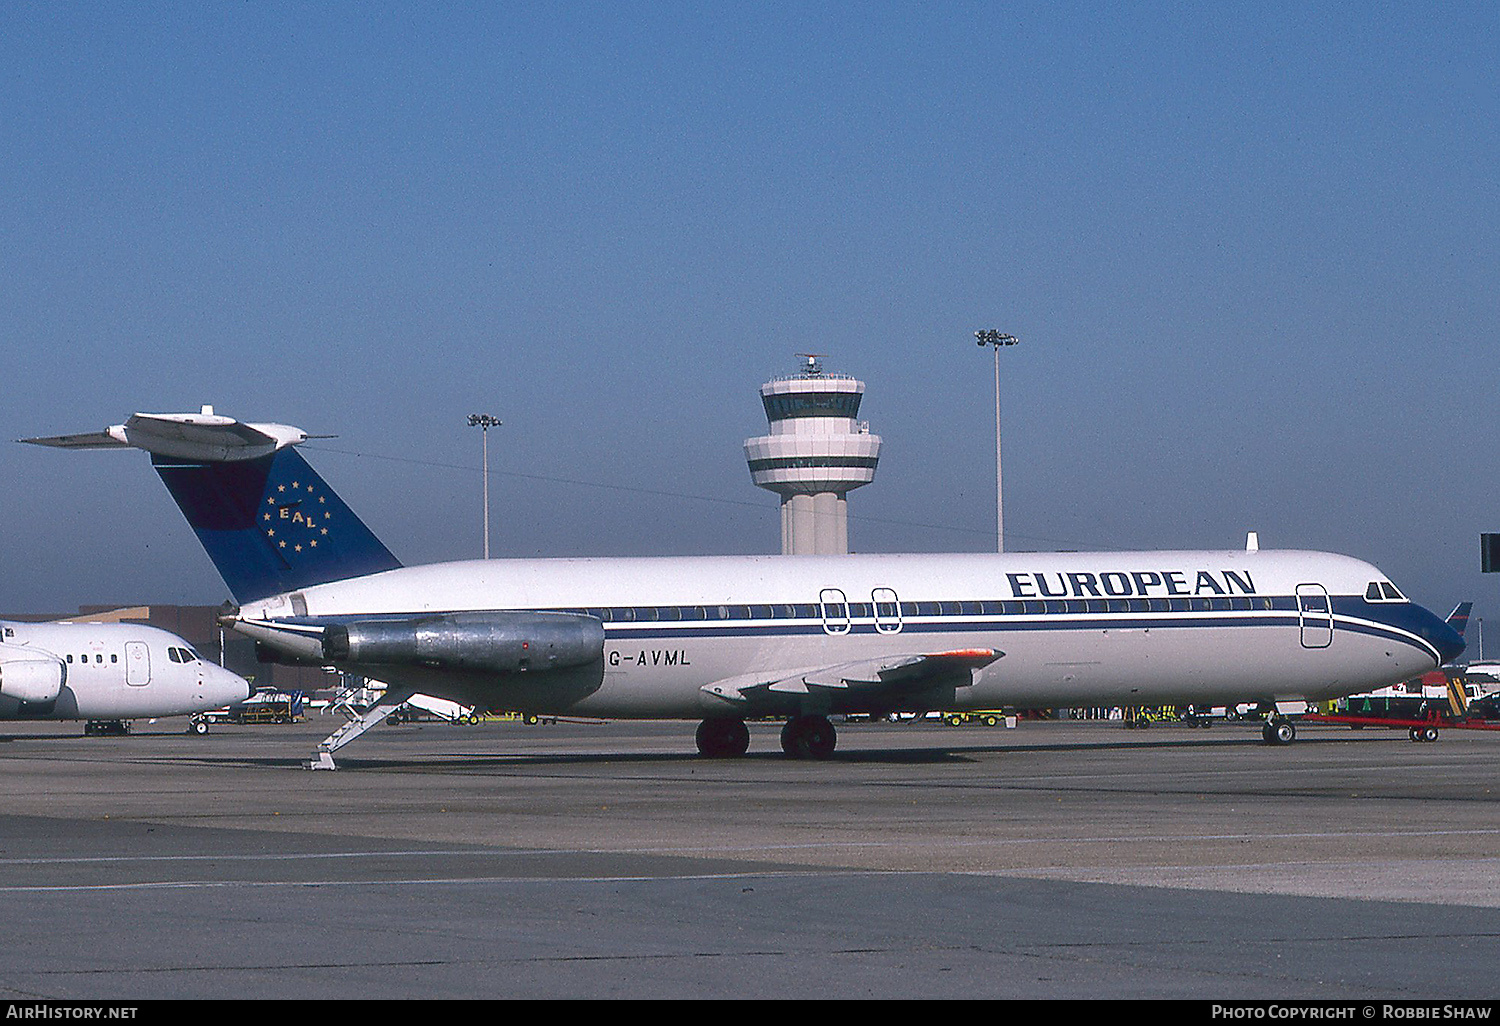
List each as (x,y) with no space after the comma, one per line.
(1278,732)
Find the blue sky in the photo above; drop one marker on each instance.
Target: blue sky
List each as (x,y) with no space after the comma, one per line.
(1251,251)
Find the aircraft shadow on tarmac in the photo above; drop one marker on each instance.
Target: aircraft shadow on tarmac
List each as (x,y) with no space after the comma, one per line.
(928,755)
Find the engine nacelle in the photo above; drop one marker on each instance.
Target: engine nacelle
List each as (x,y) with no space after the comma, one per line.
(503,642)
(29,676)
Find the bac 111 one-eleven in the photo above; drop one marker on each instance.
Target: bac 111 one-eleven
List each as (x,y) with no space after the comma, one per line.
(728,638)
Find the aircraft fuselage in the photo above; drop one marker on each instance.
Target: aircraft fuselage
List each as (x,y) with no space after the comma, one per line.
(1134,628)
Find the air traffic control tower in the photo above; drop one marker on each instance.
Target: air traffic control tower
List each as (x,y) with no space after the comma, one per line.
(816,452)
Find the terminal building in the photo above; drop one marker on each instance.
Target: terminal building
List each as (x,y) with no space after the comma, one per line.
(817,451)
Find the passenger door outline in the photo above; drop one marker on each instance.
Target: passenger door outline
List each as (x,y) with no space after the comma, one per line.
(887,608)
(1314,616)
(137,664)
(834,605)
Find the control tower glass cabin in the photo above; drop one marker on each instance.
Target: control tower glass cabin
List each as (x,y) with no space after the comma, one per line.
(815,453)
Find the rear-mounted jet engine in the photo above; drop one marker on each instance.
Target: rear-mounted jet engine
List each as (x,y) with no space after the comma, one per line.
(502,642)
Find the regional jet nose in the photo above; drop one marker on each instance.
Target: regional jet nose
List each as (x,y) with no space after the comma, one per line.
(227,688)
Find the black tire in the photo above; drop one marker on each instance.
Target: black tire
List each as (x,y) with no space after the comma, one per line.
(808,737)
(821,738)
(723,738)
(1278,732)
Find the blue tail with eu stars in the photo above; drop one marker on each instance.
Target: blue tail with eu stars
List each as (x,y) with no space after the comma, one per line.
(271,524)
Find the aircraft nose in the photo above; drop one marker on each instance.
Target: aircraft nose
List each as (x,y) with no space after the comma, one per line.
(231,687)
(1449,643)
(1452,645)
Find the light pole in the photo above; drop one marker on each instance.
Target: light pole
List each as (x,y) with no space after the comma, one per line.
(996,339)
(484,422)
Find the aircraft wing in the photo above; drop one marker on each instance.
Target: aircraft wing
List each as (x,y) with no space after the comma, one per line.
(885,677)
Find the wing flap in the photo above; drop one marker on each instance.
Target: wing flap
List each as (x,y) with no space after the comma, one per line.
(881,677)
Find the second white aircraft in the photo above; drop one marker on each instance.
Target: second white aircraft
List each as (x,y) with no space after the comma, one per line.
(107,674)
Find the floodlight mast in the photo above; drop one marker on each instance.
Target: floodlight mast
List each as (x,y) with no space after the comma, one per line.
(484,422)
(997,339)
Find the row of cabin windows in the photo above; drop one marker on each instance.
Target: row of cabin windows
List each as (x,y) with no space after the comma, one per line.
(177,655)
(888,610)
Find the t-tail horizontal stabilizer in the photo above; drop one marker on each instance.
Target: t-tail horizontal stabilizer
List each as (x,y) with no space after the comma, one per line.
(190,436)
(267,520)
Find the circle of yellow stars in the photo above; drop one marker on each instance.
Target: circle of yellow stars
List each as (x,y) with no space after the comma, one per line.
(310,520)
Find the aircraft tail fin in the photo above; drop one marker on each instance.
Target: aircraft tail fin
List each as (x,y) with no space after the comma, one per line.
(271,524)
(1459,618)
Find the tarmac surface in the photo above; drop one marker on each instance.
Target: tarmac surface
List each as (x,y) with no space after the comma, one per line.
(1076,860)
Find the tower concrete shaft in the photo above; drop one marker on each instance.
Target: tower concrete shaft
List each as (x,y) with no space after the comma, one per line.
(816,452)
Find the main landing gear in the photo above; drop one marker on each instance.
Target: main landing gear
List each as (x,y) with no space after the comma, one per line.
(803,737)
(808,737)
(723,738)
(106,728)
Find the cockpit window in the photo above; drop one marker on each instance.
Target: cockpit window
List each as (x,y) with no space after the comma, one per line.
(1391,592)
(1383,591)
(181,655)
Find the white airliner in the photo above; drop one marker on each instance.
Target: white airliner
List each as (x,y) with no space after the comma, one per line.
(107,674)
(723,639)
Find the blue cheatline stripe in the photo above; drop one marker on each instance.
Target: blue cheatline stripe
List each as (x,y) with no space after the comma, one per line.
(619,632)
(1397,622)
